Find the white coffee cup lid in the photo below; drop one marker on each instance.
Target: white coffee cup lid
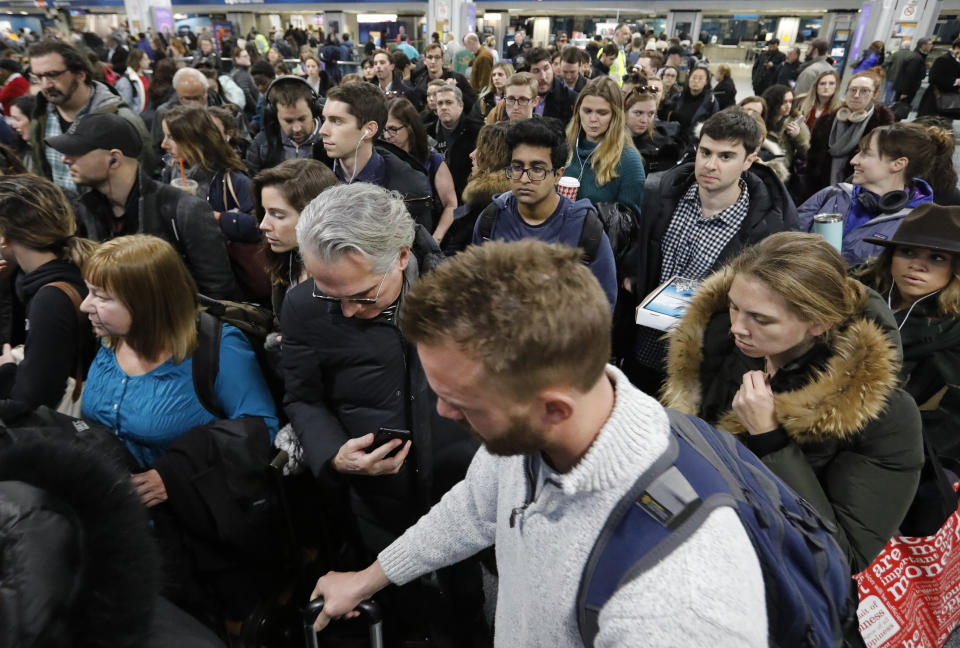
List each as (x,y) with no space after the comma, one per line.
(568,181)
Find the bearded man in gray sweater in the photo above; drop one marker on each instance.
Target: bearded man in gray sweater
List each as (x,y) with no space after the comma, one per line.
(514,339)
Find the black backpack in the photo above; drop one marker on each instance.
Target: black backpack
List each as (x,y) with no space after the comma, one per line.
(256,323)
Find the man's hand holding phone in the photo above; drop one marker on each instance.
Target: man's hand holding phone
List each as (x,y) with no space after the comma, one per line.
(367,455)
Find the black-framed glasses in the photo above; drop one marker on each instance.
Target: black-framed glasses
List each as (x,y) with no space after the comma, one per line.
(353,300)
(52,74)
(536,174)
(517,101)
(392,130)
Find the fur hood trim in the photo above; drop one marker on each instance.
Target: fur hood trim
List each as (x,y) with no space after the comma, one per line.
(482,188)
(836,404)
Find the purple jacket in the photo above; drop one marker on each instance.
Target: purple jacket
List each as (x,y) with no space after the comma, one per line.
(838,199)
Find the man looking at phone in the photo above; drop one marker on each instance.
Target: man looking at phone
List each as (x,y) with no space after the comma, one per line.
(348,372)
(565,435)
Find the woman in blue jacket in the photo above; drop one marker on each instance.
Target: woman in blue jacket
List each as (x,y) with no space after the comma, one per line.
(893,173)
(142,303)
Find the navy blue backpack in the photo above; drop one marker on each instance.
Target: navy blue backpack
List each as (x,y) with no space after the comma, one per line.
(810,596)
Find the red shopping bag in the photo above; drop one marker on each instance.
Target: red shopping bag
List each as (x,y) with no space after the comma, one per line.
(910,594)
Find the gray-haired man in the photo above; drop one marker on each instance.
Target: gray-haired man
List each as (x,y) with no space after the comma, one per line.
(456,133)
(349,373)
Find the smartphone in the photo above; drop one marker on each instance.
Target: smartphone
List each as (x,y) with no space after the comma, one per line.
(385,435)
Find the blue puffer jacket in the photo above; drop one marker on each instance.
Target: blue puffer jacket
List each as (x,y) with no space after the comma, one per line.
(840,199)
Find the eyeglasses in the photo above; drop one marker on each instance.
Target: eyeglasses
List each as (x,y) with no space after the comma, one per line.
(434,58)
(353,300)
(518,101)
(536,174)
(393,130)
(53,74)
(856,92)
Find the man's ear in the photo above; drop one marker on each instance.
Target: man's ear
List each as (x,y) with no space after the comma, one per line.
(556,406)
(374,129)
(750,159)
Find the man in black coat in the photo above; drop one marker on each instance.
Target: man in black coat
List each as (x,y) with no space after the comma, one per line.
(389,81)
(354,115)
(912,72)
(101,152)
(696,217)
(556,100)
(348,373)
(455,132)
(766,66)
(790,70)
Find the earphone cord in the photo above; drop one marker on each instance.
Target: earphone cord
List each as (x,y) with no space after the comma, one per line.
(583,161)
(909,310)
(353,174)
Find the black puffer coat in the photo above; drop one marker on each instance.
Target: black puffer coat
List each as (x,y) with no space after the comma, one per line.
(348,377)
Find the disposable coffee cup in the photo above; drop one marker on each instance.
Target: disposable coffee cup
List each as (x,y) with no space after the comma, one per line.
(188,185)
(568,186)
(830,227)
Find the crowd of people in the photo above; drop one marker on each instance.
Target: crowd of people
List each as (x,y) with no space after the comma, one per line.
(394,231)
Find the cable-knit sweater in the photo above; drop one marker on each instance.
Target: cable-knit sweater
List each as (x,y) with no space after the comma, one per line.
(708,591)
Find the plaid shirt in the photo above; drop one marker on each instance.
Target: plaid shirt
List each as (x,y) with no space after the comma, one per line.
(59,172)
(692,243)
(691,246)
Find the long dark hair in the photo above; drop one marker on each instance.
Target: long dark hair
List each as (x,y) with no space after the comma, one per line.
(300,181)
(199,140)
(773,98)
(401,109)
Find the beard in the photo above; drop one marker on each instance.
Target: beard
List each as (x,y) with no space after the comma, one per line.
(520,438)
(58,98)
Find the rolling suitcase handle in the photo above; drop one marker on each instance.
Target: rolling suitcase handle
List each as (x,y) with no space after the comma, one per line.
(369,609)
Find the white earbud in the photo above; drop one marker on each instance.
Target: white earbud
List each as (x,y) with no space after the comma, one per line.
(366,131)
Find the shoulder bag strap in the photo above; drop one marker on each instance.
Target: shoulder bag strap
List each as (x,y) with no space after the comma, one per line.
(206,362)
(74,296)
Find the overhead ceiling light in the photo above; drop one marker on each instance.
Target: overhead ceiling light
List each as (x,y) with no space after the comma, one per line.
(376,18)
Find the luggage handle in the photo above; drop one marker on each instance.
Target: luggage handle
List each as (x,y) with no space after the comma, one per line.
(369,608)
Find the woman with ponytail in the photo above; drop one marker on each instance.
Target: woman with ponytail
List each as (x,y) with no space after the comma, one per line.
(892,172)
(37,232)
(602,155)
(785,350)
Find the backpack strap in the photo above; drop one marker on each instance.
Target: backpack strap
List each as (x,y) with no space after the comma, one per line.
(590,236)
(665,506)
(75,298)
(206,362)
(487,219)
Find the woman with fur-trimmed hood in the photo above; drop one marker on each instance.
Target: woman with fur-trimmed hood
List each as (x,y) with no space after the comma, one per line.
(782,348)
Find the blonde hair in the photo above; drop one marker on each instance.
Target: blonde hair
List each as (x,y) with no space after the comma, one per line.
(876,274)
(35,213)
(807,273)
(606,157)
(489,300)
(810,99)
(147,276)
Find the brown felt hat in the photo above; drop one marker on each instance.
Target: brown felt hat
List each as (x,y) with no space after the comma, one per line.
(930,226)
